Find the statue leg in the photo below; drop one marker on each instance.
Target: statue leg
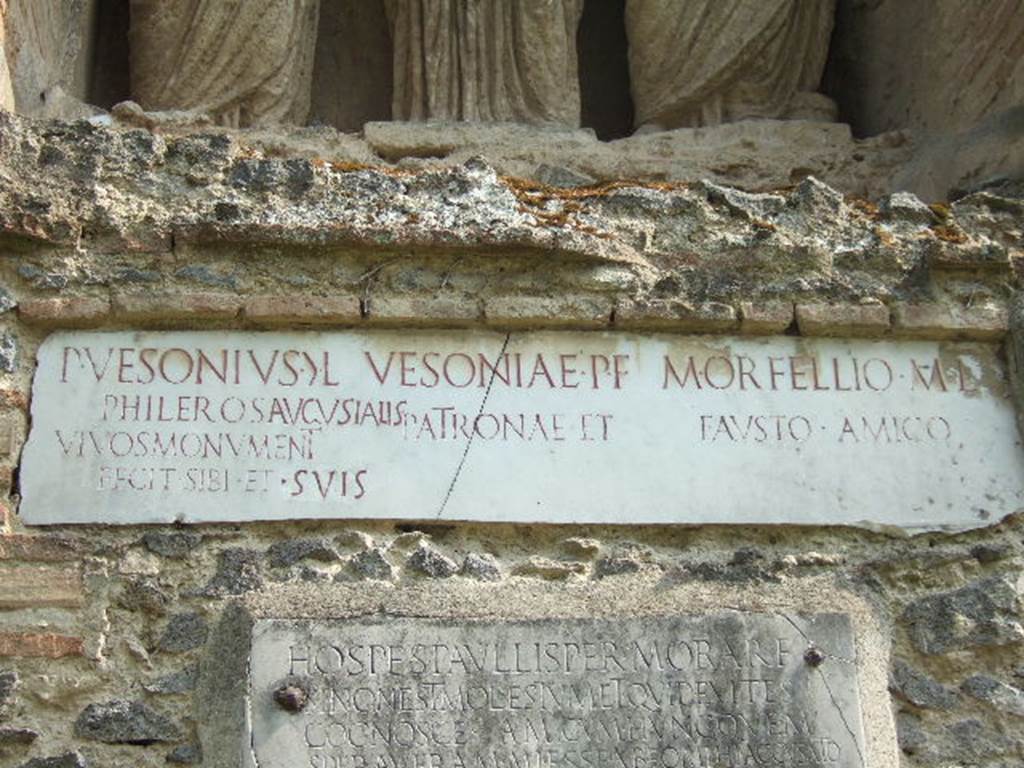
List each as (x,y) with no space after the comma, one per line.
(244,64)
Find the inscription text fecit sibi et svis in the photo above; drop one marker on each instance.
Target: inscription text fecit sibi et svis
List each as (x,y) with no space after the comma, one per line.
(725,690)
(560,427)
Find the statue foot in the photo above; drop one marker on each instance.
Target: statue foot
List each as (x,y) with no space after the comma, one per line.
(647,128)
(130,113)
(812,106)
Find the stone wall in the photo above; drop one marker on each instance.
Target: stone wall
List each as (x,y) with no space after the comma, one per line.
(127,645)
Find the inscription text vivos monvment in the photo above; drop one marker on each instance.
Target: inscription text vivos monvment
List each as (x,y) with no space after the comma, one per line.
(556,427)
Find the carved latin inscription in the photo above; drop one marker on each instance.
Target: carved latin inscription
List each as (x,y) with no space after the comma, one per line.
(560,427)
(724,690)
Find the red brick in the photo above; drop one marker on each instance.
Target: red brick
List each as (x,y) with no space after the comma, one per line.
(765,317)
(941,321)
(842,319)
(41,549)
(184,306)
(45,645)
(38,586)
(65,311)
(705,317)
(13,398)
(407,309)
(548,311)
(302,309)
(946,255)
(10,433)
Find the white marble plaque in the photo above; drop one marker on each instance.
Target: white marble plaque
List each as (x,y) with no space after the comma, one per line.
(556,427)
(726,689)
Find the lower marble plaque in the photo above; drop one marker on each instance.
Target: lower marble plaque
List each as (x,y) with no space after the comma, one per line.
(721,690)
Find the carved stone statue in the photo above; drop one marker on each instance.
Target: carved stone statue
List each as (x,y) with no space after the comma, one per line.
(46,57)
(244,63)
(486,60)
(706,62)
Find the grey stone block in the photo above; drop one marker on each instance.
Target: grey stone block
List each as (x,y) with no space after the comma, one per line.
(186,754)
(125,722)
(919,689)
(373,564)
(237,572)
(286,553)
(184,632)
(17,736)
(8,691)
(481,567)
(66,760)
(1004,697)
(182,681)
(176,545)
(983,613)
(428,561)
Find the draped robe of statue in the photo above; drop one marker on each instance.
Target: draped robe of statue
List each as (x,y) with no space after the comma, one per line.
(486,60)
(706,62)
(244,62)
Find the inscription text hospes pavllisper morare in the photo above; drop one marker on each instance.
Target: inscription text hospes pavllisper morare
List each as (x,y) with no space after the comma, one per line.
(715,691)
